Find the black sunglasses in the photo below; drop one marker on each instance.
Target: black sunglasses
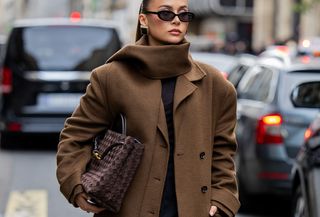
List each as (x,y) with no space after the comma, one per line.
(169,15)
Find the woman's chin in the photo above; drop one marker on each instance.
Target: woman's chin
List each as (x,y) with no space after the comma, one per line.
(173,40)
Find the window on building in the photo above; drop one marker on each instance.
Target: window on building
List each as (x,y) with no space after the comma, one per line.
(237,3)
(249,3)
(228,3)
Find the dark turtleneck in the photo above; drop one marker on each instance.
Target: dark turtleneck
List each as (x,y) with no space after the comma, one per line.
(169,199)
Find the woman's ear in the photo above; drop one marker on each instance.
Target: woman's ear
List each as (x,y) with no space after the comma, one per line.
(143,20)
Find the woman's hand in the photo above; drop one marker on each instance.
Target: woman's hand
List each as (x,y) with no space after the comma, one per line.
(81,201)
(213,210)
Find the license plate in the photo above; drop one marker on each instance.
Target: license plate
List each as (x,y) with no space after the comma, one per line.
(60,100)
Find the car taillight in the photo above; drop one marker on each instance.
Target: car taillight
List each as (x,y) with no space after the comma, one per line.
(307,134)
(6,80)
(225,75)
(269,129)
(14,127)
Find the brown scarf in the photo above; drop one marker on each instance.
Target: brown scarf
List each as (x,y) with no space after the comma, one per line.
(156,62)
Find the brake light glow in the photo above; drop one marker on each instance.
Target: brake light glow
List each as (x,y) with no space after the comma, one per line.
(316,53)
(272,119)
(273,176)
(269,129)
(225,75)
(6,80)
(14,127)
(283,49)
(305,59)
(75,16)
(307,134)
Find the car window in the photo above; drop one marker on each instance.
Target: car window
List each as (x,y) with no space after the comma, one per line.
(237,73)
(257,85)
(54,48)
(291,80)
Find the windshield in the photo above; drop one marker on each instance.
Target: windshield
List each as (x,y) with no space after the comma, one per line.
(67,48)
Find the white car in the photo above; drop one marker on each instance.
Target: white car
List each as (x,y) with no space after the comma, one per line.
(223,62)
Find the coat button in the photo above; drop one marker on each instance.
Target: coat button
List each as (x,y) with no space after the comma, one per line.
(204,189)
(202,155)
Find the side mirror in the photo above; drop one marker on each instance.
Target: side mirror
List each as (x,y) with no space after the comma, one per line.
(306,95)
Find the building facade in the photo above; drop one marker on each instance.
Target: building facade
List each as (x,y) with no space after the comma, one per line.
(11,10)
(255,23)
(223,22)
(279,22)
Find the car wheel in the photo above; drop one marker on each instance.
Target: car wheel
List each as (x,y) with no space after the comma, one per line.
(299,205)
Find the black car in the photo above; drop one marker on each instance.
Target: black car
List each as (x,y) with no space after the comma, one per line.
(270,128)
(46,70)
(306,170)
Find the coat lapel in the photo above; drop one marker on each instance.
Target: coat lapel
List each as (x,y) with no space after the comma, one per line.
(185,86)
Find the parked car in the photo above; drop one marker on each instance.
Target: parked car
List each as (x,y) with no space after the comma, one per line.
(244,62)
(46,70)
(270,127)
(309,46)
(2,46)
(223,62)
(306,170)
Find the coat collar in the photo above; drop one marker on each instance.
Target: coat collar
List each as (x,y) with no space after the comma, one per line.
(156,62)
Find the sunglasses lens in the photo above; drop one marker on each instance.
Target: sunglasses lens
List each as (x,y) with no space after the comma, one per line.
(186,16)
(166,15)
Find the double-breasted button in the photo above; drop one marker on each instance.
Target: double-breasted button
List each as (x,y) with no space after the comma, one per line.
(202,155)
(204,189)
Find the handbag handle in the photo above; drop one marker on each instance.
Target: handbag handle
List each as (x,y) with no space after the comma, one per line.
(119,125)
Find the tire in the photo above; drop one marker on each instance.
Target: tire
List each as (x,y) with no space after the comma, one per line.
(299,205)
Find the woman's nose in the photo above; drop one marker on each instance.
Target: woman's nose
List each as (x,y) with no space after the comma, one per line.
(176,20)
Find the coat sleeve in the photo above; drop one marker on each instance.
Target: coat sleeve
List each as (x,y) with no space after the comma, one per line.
(224,182)
(74,150)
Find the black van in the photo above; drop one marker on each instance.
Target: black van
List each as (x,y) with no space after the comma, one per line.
(46,69)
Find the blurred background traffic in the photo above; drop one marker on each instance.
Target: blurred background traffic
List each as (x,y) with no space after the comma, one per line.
(268,49)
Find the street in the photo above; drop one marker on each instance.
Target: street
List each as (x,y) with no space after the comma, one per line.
(28,187)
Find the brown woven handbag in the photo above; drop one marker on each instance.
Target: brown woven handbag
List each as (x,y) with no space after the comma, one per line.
(115,159)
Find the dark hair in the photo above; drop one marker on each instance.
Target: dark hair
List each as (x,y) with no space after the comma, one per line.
(143,7)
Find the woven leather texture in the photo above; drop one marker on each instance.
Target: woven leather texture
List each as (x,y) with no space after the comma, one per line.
(107,180)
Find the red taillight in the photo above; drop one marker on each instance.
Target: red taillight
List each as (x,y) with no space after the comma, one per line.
(273,176)
(269,129)
(6,80)
(307,134)
(14,127)
(75,16)
(225,75)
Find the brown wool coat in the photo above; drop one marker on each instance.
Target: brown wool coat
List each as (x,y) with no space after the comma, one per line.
(204,122)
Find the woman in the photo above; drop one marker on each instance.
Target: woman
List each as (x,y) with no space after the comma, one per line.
(183,111)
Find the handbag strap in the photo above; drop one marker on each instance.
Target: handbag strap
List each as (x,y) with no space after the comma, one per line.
(119,124)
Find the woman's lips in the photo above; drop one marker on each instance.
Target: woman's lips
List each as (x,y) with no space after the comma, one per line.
(175,32)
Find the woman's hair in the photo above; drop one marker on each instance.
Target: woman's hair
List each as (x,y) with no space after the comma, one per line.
(143,7)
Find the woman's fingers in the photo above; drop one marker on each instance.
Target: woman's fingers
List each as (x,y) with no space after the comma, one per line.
(213,210)
(81,201)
